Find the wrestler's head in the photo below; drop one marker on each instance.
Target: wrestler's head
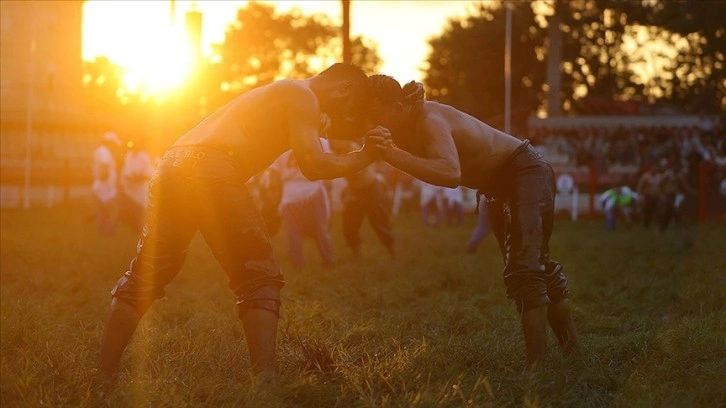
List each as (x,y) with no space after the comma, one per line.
(389,103)
(342,91)
(386,101)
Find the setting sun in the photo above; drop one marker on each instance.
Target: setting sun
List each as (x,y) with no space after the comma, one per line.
(148,39)
(161,72)
(152,51)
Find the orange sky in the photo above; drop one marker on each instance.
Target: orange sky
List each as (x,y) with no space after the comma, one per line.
(146,48)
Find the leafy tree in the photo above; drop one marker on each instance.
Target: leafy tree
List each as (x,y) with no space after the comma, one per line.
(613,51)
(697,76)
(262,46)
(653,53)
(103,84)
(595,69)
(466,65)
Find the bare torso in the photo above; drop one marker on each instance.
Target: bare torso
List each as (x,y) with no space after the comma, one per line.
(481,149)
(252,128)
(649,184)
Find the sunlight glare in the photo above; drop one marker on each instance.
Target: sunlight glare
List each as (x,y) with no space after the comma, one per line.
(162,68)
(140,38)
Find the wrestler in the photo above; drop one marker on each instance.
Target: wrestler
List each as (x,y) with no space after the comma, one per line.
(441,145)
(199,185)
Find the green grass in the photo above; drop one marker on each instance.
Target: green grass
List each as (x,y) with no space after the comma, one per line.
(432,329)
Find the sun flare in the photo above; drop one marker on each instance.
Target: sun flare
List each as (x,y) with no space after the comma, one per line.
(143,40)
(162,68)
(137,35)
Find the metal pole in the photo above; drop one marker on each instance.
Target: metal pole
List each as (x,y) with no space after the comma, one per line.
(29,114)
(347,54)
(554,58)
(508,69)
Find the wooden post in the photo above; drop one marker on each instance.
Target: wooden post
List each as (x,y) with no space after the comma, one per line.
(592,188)
(702,170)
(347,54)
(66,181)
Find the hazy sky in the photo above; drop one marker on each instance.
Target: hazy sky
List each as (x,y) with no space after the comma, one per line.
(401,29)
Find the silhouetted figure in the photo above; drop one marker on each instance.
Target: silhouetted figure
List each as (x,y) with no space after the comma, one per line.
(135,175)
(615,202)
(104,187)
(650,195)
(446,147)
(365,197)
(454,205)
(200,185)
(432,204)
(304,210)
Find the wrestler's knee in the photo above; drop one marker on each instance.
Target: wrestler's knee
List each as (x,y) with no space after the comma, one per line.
(528,291)
(556,282)
(131,292)
(529,303)
(265,297)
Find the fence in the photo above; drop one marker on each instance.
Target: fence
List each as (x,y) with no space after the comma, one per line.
(61,182)
(579,187)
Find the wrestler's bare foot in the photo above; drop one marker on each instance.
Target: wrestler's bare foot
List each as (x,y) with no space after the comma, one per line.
(264,379)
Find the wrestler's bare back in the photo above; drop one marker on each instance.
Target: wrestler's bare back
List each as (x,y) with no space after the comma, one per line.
(481,148)
(252,128)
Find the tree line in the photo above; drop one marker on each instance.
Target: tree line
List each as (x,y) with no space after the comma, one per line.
(615,54)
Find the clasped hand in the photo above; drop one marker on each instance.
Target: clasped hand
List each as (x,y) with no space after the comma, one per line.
(378,141)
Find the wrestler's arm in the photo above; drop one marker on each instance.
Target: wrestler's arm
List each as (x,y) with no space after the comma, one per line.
(303,116)
(343,146)
(441,165)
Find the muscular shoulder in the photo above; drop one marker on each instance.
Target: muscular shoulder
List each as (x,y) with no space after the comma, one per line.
(294,91)
(434,116)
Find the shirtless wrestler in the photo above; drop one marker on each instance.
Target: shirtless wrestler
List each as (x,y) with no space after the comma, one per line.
(441,145)
(199,185)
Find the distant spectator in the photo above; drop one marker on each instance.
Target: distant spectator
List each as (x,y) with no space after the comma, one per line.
(673,187)
(365,196)
(304,209)
(650,194)
(266,187)
(454,205)
(135,174)
(431,202)
(104,183)
(618,201)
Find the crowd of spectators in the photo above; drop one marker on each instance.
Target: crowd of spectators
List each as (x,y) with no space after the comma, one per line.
(620,156)
(635,149)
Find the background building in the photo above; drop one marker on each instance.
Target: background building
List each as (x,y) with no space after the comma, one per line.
(46,137)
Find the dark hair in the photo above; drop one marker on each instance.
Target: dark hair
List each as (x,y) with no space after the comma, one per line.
(345,71)
(385,88)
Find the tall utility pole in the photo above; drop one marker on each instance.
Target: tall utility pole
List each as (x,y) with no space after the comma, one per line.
(29,112)
(554,59)
(508,69)
(347,55)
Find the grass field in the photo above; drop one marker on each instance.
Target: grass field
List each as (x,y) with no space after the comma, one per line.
(431,329)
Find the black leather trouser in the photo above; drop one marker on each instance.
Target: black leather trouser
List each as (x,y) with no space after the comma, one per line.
(521,213)
(201,189)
